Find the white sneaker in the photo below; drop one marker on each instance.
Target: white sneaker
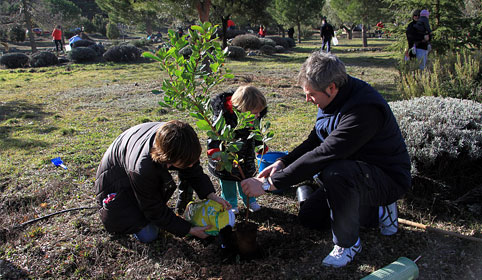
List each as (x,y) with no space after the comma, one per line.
(254,206)
(340,257)
(234,210)
(389,219)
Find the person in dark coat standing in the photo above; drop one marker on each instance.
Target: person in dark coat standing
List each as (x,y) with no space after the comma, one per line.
(291,33)
(411,33)
(357,151)
(133,183)
(326,32)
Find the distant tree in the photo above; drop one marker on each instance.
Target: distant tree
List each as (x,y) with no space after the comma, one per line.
(296,13)
(359,11)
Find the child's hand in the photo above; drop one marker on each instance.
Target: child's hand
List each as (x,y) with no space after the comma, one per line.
(224,203)
(199,231)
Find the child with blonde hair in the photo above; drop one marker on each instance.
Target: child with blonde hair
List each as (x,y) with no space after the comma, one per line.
(245,98)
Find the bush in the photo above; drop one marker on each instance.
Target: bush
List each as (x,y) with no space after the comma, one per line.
(230,34)
(281,42)
(141,43)
(246,41)
(16,34)
(291,42)
(122,53)
(443,137)
(236,52)
(279,49)
(98,48)
(14,60)
(43,59)
(267,49)
(82,54)
(453,75)
(112,31)
(267,41)
(82,43)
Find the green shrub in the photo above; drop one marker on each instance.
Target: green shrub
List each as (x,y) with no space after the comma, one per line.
(17,33)
(452,75)
(82,43)
(291,42)
(122,53)
(246,41)
(83,54)
(443,137)
(267,41)
(112,31)
(279,49)
(267,49)
(236,52)
(98,48)
(14,60)
(43,59)
(141,43)
(281,41)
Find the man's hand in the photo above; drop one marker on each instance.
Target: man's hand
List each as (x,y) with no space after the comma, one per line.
(219,200)
(270,170)
(252,187)
(199,231)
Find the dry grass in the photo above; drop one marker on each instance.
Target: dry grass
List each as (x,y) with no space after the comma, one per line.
(75,112)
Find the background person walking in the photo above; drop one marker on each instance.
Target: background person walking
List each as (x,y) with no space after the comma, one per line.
(326,33)
(57,37)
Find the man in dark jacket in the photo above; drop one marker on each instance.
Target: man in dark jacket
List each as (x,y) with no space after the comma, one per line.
(133,183)
(326,33)
(411,33)
(355,148)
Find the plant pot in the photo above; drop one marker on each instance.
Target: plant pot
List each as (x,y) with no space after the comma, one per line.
(246,234)
(303,193)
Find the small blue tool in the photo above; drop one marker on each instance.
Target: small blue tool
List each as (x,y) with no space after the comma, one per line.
(58,162)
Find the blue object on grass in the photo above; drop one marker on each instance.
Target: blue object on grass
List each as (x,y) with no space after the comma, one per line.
(58,162)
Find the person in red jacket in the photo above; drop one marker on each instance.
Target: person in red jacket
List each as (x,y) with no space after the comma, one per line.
(57,37)
(262,31)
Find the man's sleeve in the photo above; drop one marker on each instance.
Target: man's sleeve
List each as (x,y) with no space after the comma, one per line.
(309,144)
(355,129)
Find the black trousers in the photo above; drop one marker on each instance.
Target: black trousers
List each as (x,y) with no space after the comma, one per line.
(351,194)
(58,45)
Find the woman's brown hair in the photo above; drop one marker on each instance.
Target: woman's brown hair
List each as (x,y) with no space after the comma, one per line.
(176,142)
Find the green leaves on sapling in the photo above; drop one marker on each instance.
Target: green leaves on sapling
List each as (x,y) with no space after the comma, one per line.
(194,64)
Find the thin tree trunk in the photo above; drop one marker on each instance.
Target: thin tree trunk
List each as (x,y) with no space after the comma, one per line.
(224,21)
(203,8)
(28,22)
(364,35)
(299,32)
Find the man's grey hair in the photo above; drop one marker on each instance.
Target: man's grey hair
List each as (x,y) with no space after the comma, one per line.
(322,69)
